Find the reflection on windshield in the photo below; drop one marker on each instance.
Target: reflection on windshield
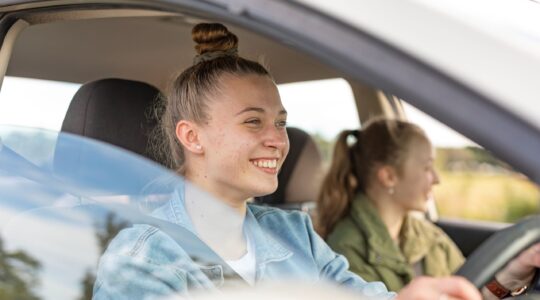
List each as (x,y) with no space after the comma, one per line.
(59,211)
(18,273)
(91,221)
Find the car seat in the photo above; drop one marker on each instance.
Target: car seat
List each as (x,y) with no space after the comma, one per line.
(116,111)
(300,176)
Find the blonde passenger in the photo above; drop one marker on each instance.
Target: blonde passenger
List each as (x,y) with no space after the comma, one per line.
(379,175)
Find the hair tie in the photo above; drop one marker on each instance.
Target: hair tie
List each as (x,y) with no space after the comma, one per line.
(353,137)
(210,55)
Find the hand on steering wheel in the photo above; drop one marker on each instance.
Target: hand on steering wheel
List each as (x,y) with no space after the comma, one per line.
(513,249)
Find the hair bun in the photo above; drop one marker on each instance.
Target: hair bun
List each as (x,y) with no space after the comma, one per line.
(212,37)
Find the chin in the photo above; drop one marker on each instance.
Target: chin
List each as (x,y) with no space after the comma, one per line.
(420,207)
(264,190)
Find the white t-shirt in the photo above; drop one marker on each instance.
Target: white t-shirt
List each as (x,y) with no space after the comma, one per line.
(245,266)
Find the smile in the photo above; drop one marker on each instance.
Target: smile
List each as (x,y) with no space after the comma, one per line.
(267,165)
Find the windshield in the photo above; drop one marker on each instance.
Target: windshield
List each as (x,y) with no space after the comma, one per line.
(61,204)
(87,218)
(60,209)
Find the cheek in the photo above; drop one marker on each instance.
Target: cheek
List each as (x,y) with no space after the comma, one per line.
(286,150)
(231,150)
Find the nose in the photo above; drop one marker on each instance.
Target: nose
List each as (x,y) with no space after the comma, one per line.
(276,138)
(436,179)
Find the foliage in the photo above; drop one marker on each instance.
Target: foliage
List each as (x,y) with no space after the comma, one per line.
(484,196)
(18,275)
(105,232)
(476,185)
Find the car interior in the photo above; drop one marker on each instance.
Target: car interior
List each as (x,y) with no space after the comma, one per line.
(125,58)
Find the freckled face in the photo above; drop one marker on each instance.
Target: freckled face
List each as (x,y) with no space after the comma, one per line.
(245,140)
(418,176)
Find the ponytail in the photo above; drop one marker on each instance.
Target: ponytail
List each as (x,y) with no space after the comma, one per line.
(357,155)
(340,184)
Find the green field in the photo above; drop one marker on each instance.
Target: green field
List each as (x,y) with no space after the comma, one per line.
(485,196)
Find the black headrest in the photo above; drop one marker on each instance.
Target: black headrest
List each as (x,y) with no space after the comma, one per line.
(298,178)
(115,111)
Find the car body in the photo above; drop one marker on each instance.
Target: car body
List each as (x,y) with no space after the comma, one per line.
(468,67)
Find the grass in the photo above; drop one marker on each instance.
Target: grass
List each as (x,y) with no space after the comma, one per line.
(484,196)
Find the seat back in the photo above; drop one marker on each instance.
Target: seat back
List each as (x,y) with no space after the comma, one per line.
(115,111)
(300,176)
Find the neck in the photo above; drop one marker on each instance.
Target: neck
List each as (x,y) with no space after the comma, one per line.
(390,213)
(218,222)
(223,194)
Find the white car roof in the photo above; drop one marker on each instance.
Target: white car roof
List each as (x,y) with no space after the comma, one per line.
(491,46)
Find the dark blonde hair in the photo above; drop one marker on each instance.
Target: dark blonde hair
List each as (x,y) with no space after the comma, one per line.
(357,154)
(189,94)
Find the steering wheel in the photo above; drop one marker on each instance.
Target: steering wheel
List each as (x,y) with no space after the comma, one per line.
(500,249)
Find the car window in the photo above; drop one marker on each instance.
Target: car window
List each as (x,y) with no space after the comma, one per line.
(92,194)
(33,103)
(323,108)
(475,185)
(23,102)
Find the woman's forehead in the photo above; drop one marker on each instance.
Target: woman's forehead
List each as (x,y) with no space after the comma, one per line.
(420,149)
(249,93)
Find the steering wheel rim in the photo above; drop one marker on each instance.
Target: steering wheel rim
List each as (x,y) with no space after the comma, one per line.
(498,250)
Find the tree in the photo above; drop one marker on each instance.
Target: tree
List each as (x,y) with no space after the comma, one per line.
(105,232)
(18,275)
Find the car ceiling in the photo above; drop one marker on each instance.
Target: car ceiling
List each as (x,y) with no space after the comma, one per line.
(145,48)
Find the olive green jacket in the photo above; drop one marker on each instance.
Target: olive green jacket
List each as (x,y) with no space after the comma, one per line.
(363,238)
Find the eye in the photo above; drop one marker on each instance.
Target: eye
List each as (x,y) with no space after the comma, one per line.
(281,124)
(253,122)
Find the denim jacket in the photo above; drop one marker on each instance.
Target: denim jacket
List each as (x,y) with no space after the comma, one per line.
(142,262)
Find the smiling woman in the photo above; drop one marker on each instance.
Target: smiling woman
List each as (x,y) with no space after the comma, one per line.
(247,121)
(226,129)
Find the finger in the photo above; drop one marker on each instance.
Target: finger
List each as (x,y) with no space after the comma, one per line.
(429,288)
(458,288)
(449,298)
(531,256)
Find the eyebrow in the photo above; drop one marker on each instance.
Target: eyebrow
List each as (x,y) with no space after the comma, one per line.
(259,110)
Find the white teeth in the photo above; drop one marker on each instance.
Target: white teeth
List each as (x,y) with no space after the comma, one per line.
(265,163)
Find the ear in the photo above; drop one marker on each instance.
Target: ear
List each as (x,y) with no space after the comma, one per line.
(387,176)
(187,133)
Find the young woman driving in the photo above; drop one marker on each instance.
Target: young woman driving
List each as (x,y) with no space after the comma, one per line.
(225,126)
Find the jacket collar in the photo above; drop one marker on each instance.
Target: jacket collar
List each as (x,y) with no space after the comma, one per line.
(417,240)
(267,248)
(382,250)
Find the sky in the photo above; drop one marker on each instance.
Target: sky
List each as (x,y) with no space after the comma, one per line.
(323,107)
